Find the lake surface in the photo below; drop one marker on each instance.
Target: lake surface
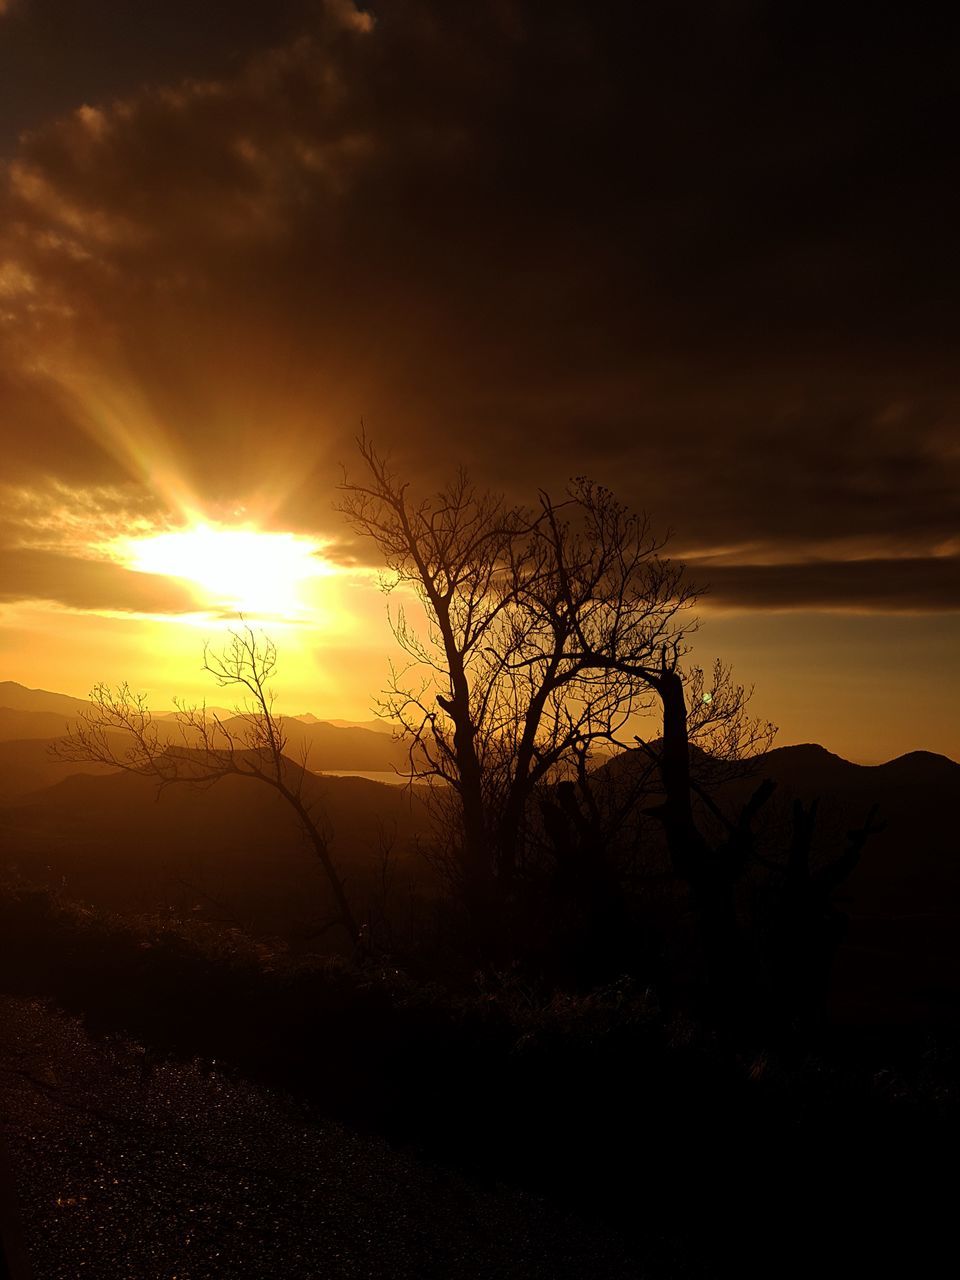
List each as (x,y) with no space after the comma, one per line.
(387,776)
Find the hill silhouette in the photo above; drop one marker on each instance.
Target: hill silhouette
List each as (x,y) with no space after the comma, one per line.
(328,746)
(319,743)
(900,958)
(37,714)
(19,698)
(233,852)
(375,726)
(26,766)
(17,723)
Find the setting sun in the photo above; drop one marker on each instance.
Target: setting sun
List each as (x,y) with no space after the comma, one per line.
(243,570)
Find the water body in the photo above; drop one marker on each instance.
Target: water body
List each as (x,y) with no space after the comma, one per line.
(388,777)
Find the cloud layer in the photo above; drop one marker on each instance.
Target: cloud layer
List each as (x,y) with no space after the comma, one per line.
(701,253)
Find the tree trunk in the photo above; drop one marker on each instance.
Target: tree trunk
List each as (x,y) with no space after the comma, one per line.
(475,855)
(683,840)
(346,916)
(707,871)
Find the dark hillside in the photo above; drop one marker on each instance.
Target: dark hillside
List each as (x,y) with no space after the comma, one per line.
(330,747)
(27,766)
(232,852)
(19,698)
(16,723)
(900,958)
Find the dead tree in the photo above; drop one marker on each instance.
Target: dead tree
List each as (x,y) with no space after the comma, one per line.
(545,630)
(455,552)
(805,927)
(199,749)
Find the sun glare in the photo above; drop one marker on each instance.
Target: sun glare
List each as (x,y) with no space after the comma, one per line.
(236,569)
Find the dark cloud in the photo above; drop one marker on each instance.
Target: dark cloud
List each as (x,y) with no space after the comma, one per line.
(57,54)
(702,252)
(895,586)
(27,574)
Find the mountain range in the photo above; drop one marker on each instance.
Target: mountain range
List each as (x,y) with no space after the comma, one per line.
(36,715)
(109,837)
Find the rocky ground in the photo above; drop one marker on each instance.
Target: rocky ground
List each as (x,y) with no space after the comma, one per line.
(127,1169)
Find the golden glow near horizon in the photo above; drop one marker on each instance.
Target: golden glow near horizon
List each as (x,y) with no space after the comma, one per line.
(241,569)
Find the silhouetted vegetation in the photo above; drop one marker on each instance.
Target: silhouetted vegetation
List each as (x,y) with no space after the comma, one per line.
(588,946)
(546,630)
(548,635)
(605,1100)
(119,730)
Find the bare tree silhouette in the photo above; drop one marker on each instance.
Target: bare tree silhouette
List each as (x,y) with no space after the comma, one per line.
(804,926)
(199,748)
(546,629)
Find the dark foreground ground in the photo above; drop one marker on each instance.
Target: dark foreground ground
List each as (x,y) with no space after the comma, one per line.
(188,1104)
(129,1171)
(129,1167)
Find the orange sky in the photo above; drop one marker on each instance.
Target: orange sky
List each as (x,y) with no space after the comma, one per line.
(808,670)
(704,263)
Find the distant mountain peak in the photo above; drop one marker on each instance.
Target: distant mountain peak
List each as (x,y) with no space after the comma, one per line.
(914,766)
(18,697)
(808,753)
(924,757)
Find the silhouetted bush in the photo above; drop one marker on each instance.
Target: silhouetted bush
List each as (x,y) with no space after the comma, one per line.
(598,1098)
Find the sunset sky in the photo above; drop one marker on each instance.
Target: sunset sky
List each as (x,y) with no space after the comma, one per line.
(702,253)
